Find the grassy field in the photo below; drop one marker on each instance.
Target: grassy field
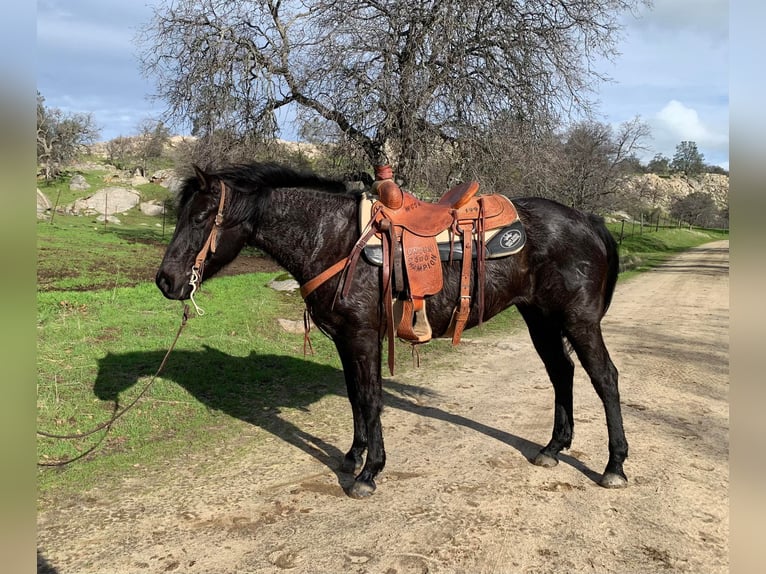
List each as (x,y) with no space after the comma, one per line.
(103,329)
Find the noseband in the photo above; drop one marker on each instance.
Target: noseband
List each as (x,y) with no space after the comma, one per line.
(209,247)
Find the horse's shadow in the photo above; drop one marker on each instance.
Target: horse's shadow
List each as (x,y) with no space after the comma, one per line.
(255,389)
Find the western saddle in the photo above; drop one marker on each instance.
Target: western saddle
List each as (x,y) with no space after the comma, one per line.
(407,230)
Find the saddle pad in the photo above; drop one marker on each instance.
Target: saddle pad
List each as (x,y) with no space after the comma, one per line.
(499,242)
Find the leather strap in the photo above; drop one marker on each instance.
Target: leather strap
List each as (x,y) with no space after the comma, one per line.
(311,285)
(460,316)
(212,240)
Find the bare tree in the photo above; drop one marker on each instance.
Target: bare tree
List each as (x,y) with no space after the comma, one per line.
(150,143)
(595,162)
(389,74)
(61,136)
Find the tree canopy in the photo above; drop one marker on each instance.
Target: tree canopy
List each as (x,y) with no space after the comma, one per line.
(391,76)
(61,136)
(688,159)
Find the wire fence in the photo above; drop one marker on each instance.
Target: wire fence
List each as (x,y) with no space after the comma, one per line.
(628,228)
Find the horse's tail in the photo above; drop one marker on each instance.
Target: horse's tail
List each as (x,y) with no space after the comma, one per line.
(612,257)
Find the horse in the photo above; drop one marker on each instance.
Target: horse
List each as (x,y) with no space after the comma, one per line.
(561,282)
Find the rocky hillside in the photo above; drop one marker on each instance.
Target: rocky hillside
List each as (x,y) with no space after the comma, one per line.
(661,191)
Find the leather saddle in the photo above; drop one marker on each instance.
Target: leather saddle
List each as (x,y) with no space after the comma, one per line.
(410,237)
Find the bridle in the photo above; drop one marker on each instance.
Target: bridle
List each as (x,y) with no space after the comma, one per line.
(209,247)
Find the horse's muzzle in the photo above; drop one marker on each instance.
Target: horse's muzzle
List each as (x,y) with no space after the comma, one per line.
(171,288)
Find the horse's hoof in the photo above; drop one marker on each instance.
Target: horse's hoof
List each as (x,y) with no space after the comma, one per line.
(361,489)
(545,460)
(613,480)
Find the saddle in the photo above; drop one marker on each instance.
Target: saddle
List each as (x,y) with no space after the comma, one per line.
(410,238)
(408,229)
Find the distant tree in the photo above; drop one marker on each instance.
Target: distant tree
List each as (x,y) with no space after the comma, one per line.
(716,169)
(150,143)
(688,159)
(120,151)
(632,165)
(595,160)
(61,137)
(697,208)
(659,165)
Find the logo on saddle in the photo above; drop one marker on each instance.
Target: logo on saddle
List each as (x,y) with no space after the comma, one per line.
(410,238)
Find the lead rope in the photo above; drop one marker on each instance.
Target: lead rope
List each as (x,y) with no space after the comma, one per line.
(117,414)
(210,245)
(194,282)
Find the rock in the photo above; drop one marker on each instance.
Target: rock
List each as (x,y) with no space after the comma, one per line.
(151,208)
(43,204)
(108,218)
(662,191)
(109,200)
(78,183)
(291,326)
(138,180)
(283,284)
(166,178)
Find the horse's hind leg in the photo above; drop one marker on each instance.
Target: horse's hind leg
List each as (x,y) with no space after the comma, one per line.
(588,343)
(547,337)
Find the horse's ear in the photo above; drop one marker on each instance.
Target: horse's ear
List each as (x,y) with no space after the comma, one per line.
(202,177)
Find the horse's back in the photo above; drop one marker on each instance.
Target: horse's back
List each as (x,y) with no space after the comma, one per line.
(571,256)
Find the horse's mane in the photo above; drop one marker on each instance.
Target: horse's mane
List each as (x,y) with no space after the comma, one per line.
(257,177)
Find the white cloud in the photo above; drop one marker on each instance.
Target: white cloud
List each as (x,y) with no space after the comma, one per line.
(685,124)
(677,122)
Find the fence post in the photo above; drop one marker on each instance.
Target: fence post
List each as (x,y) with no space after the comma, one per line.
(55,207)
(622,232)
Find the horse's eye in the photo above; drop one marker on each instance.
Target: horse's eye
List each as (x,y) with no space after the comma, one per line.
(200,218)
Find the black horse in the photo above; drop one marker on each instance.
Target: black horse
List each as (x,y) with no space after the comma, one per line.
(562,282)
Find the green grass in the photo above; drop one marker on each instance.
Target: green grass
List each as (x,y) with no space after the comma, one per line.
(78,253)
(232,364)
(640,252)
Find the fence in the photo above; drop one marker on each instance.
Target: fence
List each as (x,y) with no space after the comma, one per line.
(629,228)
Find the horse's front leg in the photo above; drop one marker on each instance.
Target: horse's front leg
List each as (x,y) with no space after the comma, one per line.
(360,356)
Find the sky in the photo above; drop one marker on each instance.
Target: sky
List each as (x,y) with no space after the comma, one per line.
(672,70)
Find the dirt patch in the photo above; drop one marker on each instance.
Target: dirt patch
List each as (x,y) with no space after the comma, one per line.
(133,273)
(458,494)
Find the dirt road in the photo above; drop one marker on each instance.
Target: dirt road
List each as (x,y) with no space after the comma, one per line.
(458,494)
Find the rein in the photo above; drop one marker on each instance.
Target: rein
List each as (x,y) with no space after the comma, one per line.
(209,246)
(108,424)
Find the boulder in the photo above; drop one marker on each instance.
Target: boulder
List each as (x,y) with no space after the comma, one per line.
(152,208)
(43,204)
(283,284)
(166,178)
(138,180)
(108,201)
(78,183)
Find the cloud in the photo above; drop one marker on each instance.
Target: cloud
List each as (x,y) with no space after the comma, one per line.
(686,124)
(677,122)
(708,18)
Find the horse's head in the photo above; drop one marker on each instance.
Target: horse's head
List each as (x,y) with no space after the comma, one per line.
(206,238)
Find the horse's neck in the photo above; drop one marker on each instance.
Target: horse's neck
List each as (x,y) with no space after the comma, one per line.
(305,231)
